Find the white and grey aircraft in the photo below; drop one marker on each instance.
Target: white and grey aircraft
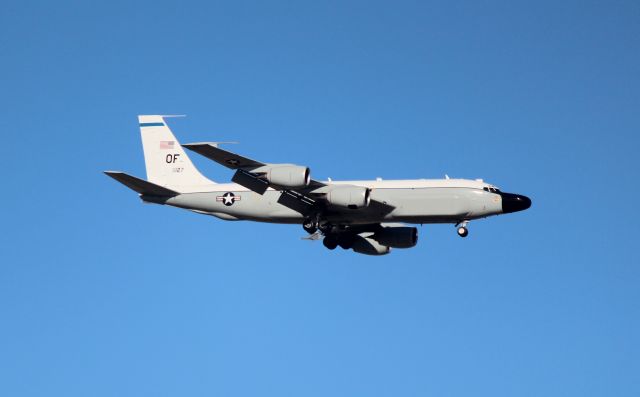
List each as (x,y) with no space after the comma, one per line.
(366,216)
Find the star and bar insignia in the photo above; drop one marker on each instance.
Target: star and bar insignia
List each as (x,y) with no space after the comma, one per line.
(228,199)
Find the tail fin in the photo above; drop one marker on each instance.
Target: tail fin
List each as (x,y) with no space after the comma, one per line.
(166,161)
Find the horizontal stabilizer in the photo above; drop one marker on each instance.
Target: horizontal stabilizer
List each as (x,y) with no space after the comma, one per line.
(140,185)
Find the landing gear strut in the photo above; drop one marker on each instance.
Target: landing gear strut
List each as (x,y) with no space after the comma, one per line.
(462,229)
(310,225)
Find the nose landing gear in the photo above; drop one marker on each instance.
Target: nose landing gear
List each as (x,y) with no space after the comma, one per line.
(462,229)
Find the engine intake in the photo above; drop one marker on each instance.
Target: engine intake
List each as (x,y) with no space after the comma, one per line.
(397,237)
(352,197)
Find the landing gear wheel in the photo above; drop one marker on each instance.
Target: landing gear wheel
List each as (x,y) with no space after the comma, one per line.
(330,242)
(310,226)
(345,242)
(325,227)
(462,231)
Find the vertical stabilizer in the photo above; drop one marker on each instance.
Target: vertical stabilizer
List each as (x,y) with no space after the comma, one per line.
(166,161)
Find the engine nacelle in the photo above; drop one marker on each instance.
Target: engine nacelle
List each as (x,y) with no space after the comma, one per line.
(349,196)
(288,176)
(398,237)
(369,246)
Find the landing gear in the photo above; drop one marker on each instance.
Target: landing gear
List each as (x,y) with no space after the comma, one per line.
(310,225)
(333,236)
(325,227)
(330,242)
(462,229)
(346,241)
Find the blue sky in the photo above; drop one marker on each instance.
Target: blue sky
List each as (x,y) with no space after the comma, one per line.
(101,295)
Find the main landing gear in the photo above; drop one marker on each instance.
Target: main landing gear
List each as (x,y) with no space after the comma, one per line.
(311,225)
(343,240)
(333,236)
(462,229)
(330,242)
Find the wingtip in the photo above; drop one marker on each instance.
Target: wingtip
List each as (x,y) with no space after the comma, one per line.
(200,144)
(195,145)
(162,115)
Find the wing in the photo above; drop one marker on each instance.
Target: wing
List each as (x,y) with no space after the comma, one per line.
(249,173)
(230,160)
(307,198)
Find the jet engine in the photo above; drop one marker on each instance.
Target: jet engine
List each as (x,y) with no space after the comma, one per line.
(287,176)
(397,237)
(369,246)
(349,196)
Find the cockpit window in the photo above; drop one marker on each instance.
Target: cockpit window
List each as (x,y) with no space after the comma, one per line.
(486,189)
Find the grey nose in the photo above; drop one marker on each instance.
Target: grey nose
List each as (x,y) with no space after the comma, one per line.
(514,202)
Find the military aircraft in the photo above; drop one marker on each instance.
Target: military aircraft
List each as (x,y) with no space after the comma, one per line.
(368,216)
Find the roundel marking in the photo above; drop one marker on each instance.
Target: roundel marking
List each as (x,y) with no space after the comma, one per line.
(228,198)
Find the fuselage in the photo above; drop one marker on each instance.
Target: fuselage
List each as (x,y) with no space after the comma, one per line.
(410,201)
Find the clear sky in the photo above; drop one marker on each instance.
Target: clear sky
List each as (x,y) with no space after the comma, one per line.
(101,295)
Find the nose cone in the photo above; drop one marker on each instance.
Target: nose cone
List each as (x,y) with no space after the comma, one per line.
(514,202)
